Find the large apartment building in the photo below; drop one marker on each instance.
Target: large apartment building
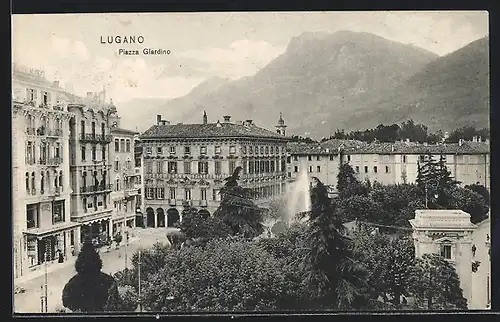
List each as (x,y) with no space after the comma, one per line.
(41,187)
(125,196)
(90,166)
(389,163)
(189,162)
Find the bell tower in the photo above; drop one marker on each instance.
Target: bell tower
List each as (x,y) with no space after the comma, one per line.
(281,127)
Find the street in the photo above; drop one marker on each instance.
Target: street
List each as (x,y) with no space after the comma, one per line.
(113,261)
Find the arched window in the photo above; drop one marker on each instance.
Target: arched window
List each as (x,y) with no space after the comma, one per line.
(42,183)
(33,181)
(84,177)
(122,144)
(56,181)
(117,184)
(48,180)
(60,178)
(27,182)
(104,175)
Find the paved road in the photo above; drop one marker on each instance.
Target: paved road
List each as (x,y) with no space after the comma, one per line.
(29,302)
(479,279)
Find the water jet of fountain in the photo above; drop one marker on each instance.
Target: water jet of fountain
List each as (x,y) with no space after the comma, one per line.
(299,199)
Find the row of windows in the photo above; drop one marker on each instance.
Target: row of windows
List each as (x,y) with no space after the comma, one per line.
(159,193)
(45,150)
(318,169)
(93,128)
(45,181)
(93,152)
(232,150)
(122,145)
(128,165)
(262,166)
(421,158)
(45,122)
(93,203)
(32,96)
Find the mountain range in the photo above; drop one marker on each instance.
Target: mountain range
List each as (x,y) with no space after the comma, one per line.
(345,80)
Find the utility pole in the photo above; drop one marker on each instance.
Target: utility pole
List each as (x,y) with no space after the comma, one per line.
(426,197)
(139,279)
(46,284)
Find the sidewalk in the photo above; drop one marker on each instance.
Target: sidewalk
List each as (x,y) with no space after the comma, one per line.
(55,266)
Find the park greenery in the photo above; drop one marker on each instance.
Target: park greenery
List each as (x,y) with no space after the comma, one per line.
(314,264)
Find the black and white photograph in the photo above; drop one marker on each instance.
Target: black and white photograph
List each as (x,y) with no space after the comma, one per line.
(251,162)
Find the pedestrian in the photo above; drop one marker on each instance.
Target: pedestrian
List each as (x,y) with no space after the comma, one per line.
(60,256)
(473,250)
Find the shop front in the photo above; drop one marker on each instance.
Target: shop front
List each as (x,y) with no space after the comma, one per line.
(46,245)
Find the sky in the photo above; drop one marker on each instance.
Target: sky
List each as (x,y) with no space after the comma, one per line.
(203,45)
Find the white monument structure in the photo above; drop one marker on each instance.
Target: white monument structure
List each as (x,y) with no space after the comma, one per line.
(450,234)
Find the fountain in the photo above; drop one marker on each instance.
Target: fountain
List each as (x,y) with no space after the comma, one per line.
(299,199)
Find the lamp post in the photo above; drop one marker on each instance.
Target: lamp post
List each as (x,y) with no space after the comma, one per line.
(44,288)
(139,279)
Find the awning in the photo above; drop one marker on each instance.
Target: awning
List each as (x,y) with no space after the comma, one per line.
(44,232)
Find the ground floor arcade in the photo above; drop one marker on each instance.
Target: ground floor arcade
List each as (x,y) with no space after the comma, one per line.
(166,218)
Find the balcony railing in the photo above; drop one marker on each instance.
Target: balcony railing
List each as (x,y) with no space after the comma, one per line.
(30,130)
(54,161)
(95,138)
(97,188)
(55,133)
(30,161)
(203,203)
(172,202)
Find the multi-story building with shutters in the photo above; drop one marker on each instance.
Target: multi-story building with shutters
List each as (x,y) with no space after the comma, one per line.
(41,187)
(125,196)
(189,162)
(90,166)
(389,163)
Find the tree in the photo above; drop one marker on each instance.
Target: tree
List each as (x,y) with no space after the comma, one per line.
(227,275)
(195,226)
(389,260)
(129,298)
(480,189)
(358,207)
(412,131)
(335,279)
(89,289)
(467,133)
(237,210)
(471,202)
(347,183)
(434,284)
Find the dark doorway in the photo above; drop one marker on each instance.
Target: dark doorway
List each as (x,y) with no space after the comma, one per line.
(172,217)
(139,220)
(150,217)
(160,214)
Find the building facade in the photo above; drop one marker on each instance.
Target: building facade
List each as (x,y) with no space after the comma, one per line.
(187,163)
(125,196)
(389,163)
(90,167)
(448,233)
(40,171)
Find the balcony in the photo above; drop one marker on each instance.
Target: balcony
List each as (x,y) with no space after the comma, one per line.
(95,138)
(31,161)
(130,192)
(55,133)
(96,189)
(54,161)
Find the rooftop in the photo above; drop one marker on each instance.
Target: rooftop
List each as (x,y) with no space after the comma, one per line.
(123,131)
(359,147)
(209,130)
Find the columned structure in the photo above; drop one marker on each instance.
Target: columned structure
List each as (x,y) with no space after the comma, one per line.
(450,234)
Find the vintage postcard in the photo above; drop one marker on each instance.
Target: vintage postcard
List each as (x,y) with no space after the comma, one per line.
(251,162)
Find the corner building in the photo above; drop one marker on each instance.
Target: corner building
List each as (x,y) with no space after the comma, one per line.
(41,187)
(189,162)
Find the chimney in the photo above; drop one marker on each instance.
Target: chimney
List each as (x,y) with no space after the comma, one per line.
(425,143)
(474,139)
(479,139)
(205,118)
(56,83)
(164,122)
(460,142)
(392,147)
(407,140)
(249,122)
(89,95)
(446,135)
(158,119)
(227,118)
